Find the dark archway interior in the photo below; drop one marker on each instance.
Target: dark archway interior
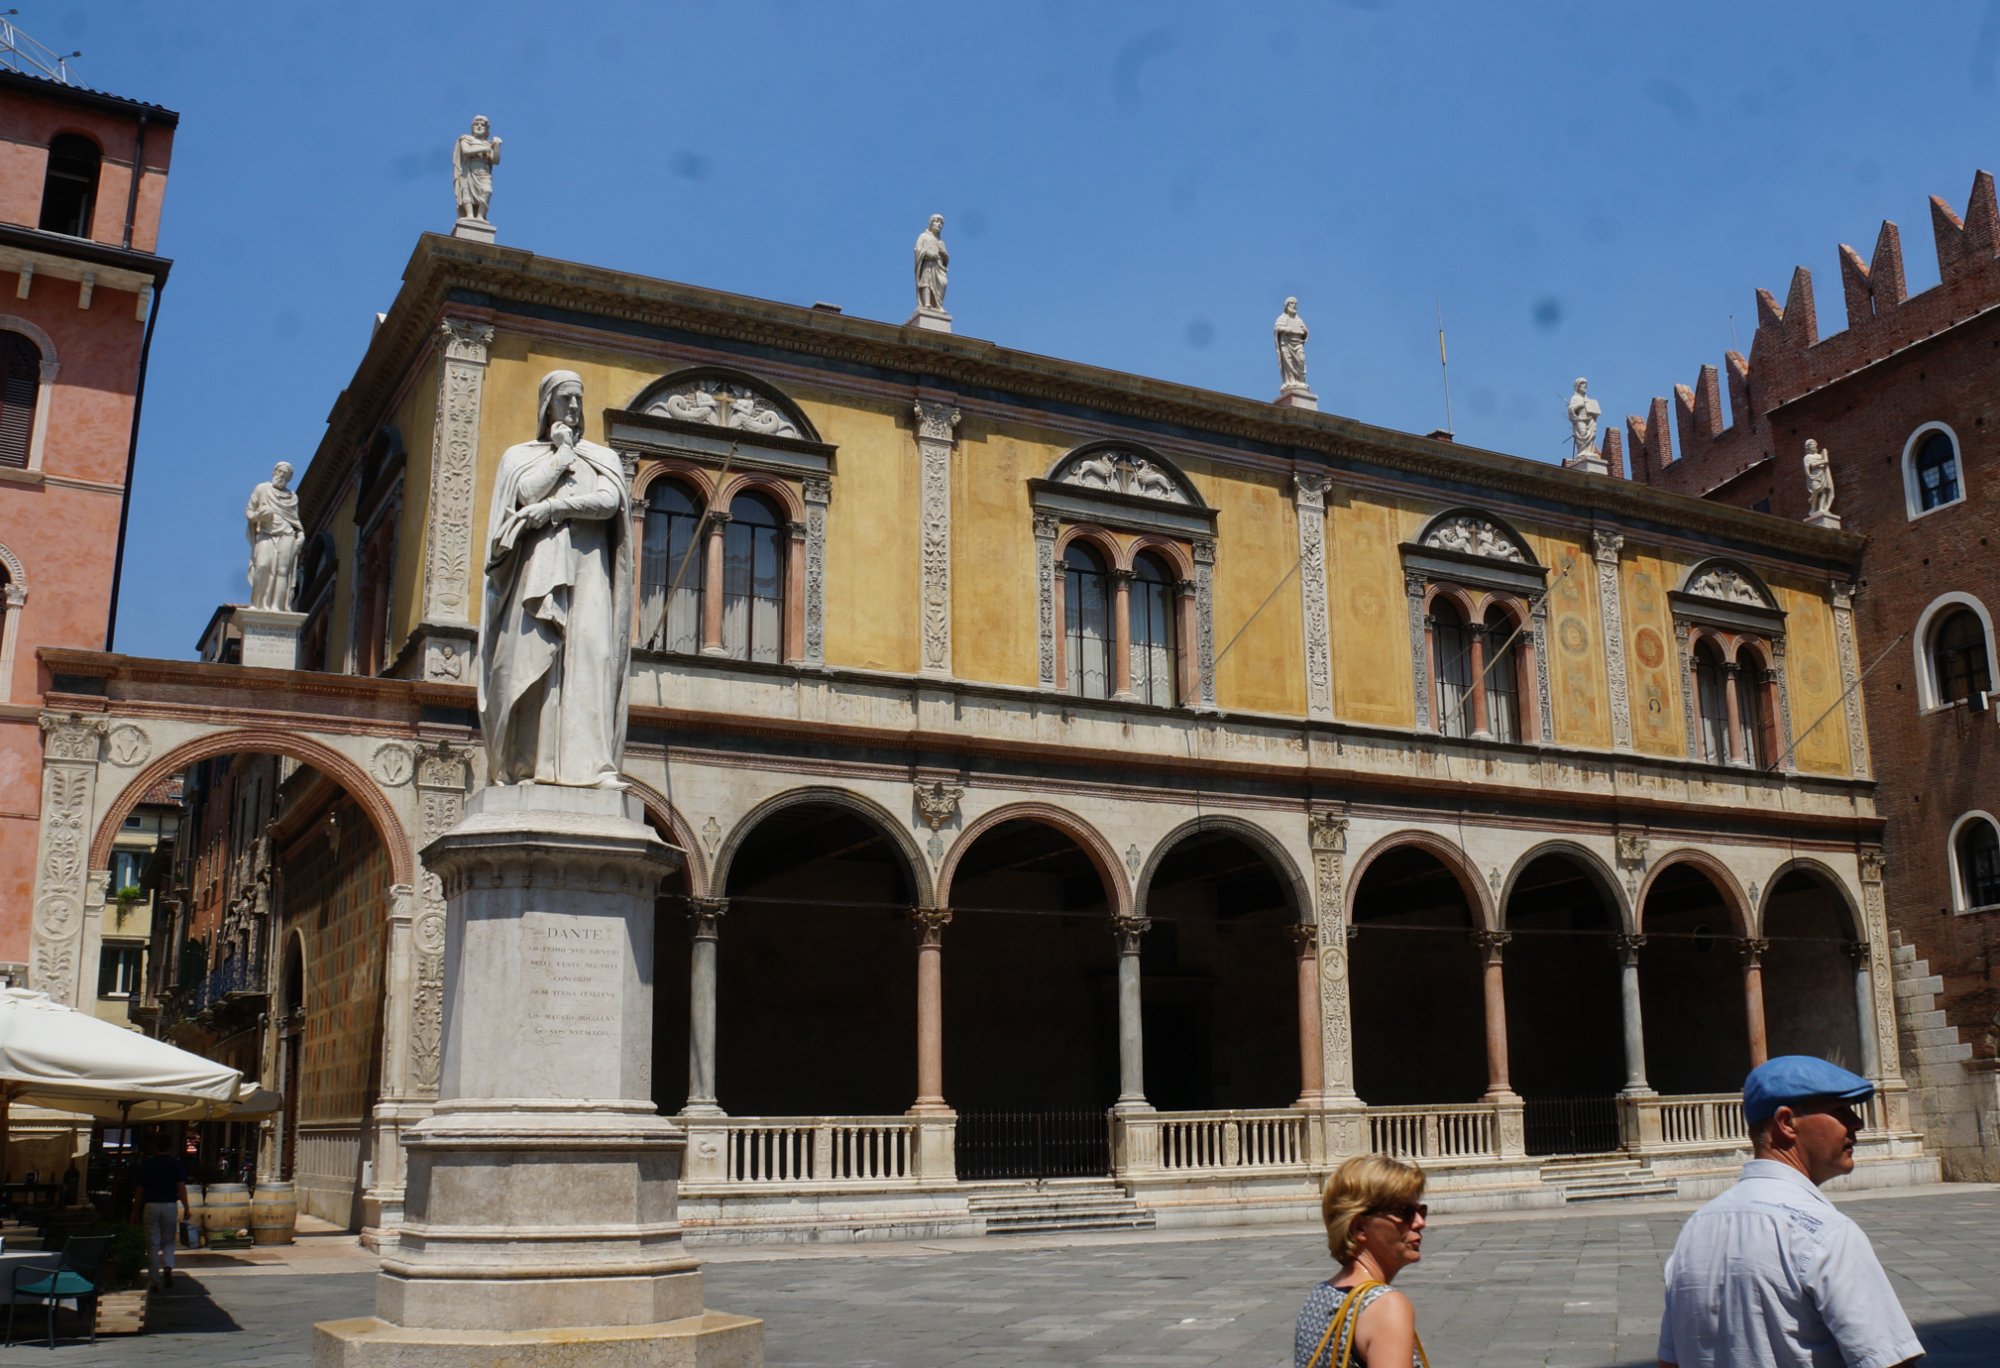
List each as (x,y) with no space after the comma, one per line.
(671,967)
(1565,1035)
(1219,979)
(1691,987)
(1418,1004)
(1030,987)
(816,996)
(1809,1001)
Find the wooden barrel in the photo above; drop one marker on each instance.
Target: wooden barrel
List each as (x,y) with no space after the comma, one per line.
(197,1208)
(227,1208)
(274,1213)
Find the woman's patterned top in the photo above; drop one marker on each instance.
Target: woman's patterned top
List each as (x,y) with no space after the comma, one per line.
(1314,1316)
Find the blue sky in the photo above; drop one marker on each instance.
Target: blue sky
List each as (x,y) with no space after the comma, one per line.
(1589,189)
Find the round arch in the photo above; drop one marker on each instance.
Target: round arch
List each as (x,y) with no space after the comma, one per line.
(1253,835)
(17,574)
(1173,553)
(1477,894)
(1954,867)
(16,323)
(266,741)
(1731,893)
(1095,848)
(1092,535)
(866,809)
(1821,874)
(1927,623)
(294,953)
(663,812)
(1586,859)
(673,470)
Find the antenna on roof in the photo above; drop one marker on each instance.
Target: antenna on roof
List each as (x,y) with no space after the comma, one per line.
(1444,367)
(19,52)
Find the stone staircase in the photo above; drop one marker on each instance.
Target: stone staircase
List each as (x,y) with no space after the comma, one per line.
(1052,1205)
(1609,1179)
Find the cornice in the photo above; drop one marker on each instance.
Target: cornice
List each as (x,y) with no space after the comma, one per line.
(483,280)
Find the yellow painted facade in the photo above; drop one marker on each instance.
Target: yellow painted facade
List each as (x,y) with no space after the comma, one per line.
(1652,669)
(1813,665)
(1372,682)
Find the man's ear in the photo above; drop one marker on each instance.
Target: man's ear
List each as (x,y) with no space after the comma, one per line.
(1785,1125)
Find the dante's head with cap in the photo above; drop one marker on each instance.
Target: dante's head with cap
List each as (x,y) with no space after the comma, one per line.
(1801,1112)
(561,400)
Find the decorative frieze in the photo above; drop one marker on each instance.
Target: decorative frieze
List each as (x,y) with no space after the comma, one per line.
(936,425)
(1611,614)
(1309,498)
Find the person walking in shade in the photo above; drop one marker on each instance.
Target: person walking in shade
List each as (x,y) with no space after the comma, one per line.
(1375,1229)
(162,1187)
(1771,1274)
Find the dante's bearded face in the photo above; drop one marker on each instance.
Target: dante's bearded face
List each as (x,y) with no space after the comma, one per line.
(566,407)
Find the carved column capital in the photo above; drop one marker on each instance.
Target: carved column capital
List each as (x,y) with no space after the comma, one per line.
(465,340)
(936,421)
(1858,953)
(72,737)
(705,917)
(1047,526)
(937,802)
(1204,551)
(1628,947)
(1873,863)
(1304,937)
(1326,832)
(1752,948)
(1309,490)
(796,530)
(817,489)
(1120,575)
(1128,929)
(1607,546)
(1492,943)
(930,923)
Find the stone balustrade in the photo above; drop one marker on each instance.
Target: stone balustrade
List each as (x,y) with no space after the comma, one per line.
(742,1153)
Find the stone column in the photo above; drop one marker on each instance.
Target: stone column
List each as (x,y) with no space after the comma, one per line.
(705,922)
(1732,713)
(1864,1009)
(1635,1029)
(454,562)
(1312,1073)
(711,598)
(1121,632)
(1327,834)
(70,748)
(937,424)
(793,630)
(541,1223)
(930,923)
(1491,943)
(1309,501)
(1482,726)
(1131,1034)
(1611,616)
(1753,948)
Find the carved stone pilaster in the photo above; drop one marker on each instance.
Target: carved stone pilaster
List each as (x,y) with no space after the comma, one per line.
(1420,674)
(1781,685)
(1204,624)
(818,493)
(1611,616)
(1687,690)
(63,879)
(1046,528)
(1309,499)
(937,424)
(1882,981)
(1327,835)
(1850,675)
(449,563)
(1538,617)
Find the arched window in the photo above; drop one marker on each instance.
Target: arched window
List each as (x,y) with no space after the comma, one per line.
(20,384)
(1155,660)
(1087,622)
(69,189)
(1451,658)
(1753,709)
(1977,848)
(1711,692)
(1932,470)
(753,581)
(673,570)
(1959,670)
(1503,675)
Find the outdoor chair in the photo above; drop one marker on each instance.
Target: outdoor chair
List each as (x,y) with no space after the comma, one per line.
(72,1278)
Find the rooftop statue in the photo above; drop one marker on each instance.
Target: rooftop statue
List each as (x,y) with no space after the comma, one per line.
(556,640)
(473,158)
(1290,334)
(275,532)
(1819,481)
(932,258)
(1584,412)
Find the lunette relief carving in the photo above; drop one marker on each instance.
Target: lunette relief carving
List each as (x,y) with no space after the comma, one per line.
(936,424)
(1309,498)
(1726,584)
(1611,610)
(1473,536)
(1122,472)
(454,462)
(719,403)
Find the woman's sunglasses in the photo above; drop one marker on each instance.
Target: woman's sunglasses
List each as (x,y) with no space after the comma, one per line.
(1403,1215)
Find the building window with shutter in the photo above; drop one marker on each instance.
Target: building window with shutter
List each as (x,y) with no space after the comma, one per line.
(69,188)
(20,390)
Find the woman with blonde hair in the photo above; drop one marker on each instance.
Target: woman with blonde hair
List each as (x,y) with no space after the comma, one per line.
(1374,1228)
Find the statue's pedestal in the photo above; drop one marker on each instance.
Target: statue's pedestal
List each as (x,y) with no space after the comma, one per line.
(478,230)
(1589,462)
(1831,520)
(541,1222)
(1298,397)
(270,637)
(932,320)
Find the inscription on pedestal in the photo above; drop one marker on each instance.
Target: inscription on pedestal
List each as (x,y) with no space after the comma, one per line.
(573,985)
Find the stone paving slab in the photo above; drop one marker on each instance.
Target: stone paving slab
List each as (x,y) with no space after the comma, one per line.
(1577,1290)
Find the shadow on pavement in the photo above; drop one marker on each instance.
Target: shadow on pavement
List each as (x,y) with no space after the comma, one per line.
(186,1309)
(1965,1343)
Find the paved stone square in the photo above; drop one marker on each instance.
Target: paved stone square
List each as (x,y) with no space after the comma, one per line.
(1579,1290)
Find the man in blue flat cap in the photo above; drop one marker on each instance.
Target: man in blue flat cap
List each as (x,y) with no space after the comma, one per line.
(1770,1274)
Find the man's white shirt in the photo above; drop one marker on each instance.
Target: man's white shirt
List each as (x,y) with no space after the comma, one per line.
(1771,1275)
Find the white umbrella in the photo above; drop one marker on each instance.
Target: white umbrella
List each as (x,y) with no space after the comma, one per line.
(57,1057)
(252,1102)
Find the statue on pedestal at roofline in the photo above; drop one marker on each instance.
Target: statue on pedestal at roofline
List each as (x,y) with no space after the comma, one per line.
(473,158)
(1290,334)
(272,524)
(1819,482)
(1584,412)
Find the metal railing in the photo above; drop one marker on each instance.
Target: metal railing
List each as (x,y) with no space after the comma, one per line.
(1571,1125)
(1033,1144)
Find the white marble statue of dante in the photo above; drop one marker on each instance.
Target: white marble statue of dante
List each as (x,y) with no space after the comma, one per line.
(1584,412)
(932,258)
(272,524)
(1290,334)
(473,158)
(556,641)
(1819,481)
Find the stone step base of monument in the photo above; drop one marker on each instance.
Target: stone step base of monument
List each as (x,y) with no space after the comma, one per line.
(1606,1180)
(713,1339)
(1059,1206)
